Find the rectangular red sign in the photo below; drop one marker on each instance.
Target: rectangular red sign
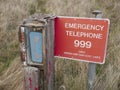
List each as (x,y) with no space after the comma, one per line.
(81,38)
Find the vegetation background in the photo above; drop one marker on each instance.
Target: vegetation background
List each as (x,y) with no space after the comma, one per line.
(71,74)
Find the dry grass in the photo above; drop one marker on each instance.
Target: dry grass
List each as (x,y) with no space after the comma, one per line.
(69,7)
(12,79)
(12,12)
(71,74)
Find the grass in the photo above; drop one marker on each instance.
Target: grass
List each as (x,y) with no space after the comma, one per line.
(70,74)
(11,14)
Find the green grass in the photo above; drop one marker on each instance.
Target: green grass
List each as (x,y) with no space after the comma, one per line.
(8,55)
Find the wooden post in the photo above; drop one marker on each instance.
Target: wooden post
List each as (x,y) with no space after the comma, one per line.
(49,65)
(92,66)
(45,78)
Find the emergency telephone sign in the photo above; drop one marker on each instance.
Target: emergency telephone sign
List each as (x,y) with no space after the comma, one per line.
(81,38)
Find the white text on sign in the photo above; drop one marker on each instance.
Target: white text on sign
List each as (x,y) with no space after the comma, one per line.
(84,26)
(82,44)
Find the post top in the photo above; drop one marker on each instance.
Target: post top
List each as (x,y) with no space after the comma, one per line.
(96,12)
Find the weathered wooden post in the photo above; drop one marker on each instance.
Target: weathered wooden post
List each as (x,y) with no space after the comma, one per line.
(92,66)
(36,36)
(50,54)
(33,46)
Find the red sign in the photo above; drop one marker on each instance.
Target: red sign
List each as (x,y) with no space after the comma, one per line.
(81,38)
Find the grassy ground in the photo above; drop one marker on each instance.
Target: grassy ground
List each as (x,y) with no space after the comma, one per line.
(12,79)
(71,74)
